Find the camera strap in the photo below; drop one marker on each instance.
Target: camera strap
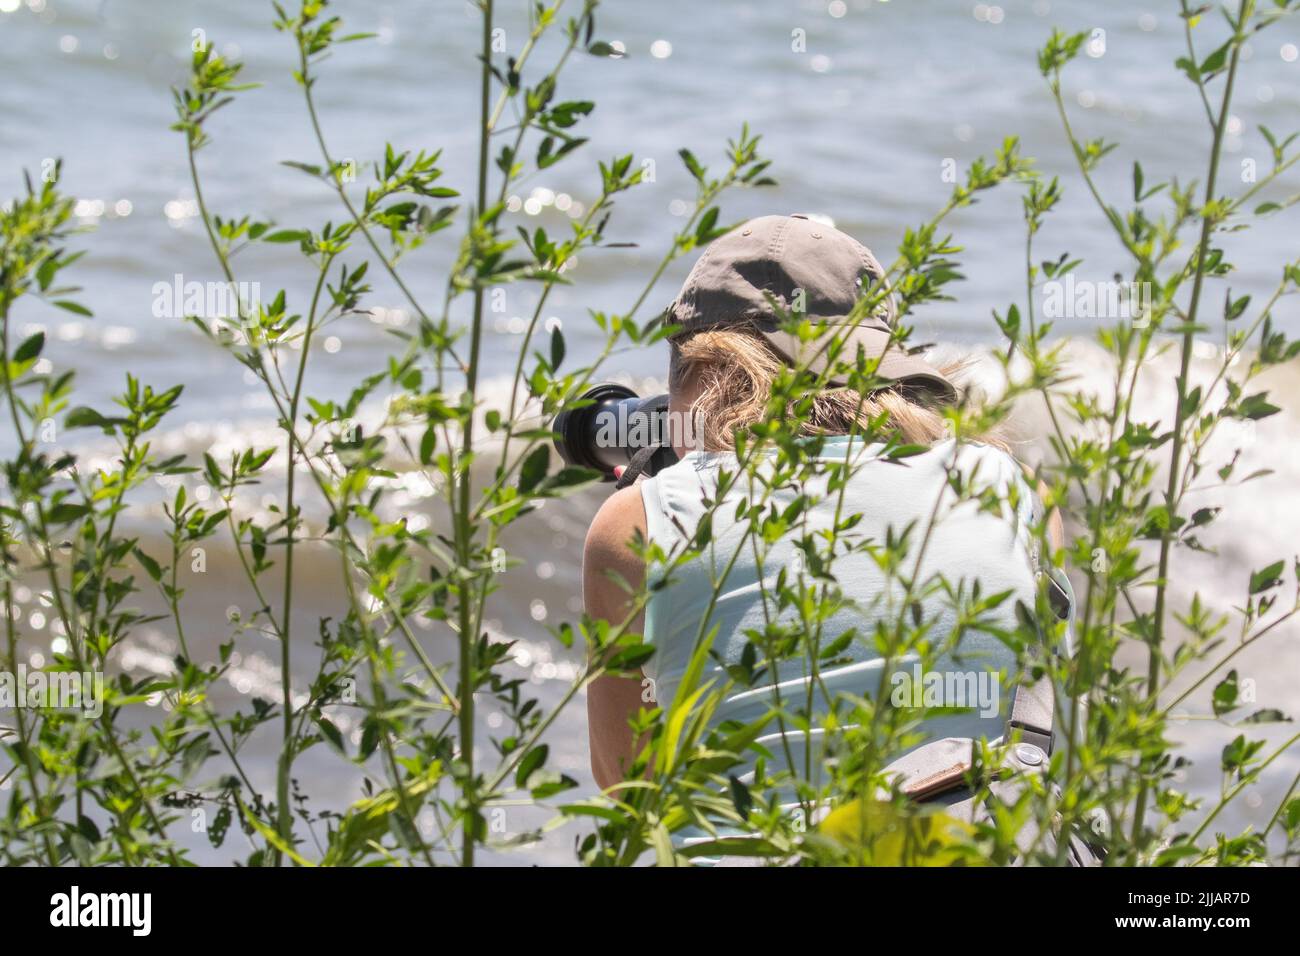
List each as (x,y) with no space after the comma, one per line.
(649,459)
(640,462)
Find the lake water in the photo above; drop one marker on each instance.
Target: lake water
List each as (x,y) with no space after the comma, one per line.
(861,122)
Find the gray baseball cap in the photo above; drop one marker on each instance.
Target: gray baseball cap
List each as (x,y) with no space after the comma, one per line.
(806,267)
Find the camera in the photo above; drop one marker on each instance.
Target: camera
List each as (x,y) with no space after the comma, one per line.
(617,427)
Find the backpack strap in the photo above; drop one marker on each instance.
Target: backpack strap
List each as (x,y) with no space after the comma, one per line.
(1033,713)
(1033,706)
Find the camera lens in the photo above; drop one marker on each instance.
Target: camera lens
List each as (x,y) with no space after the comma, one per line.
(616,425)
(577,429)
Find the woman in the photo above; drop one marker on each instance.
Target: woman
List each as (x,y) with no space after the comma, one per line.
(724,358)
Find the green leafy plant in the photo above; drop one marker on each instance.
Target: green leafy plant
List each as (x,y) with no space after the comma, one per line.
(116,788)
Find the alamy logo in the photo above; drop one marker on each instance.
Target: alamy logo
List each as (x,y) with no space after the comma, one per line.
(61,690)
(643,429)
(974,690)
(205,300)
(133,910)
(1071,298)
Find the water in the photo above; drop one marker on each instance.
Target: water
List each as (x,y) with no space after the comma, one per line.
(860,126)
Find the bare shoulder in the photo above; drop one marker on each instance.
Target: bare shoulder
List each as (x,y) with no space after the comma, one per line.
(609,549)
(620,519)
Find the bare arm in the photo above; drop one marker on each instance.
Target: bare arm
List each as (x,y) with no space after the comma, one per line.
(608,562)
(1055,528)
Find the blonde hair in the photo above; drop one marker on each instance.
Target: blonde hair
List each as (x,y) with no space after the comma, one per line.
(734,370)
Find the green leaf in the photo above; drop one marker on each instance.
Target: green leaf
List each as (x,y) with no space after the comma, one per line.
(428,442)
(534,468)
(906,451)
(66,513)
(369,736)
(1256,407)
(30,348)
(557,783)
(1225,695)
(271,836)
(75,307)
(85,417)
(307,168)
(151,566)
(630,658)
(557,348)
(705,232)
(570,476)
(692,164)
(1267,579)
(331,733)
(534,759)
(287,235)
(1217,60)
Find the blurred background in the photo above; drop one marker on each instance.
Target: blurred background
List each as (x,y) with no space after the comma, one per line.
(863,106)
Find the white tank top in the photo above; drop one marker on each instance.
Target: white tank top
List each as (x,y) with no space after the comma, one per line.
(966,544)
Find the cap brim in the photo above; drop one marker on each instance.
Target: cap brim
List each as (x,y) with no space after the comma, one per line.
(895,364)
